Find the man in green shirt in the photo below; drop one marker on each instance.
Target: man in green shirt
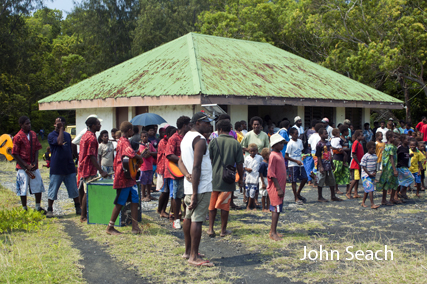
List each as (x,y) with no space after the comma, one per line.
(255,136)
(223,151)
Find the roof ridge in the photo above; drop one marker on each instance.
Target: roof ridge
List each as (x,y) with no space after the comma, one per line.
(230,38)
(194,64)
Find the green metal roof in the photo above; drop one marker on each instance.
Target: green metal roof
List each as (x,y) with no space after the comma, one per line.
(200,64)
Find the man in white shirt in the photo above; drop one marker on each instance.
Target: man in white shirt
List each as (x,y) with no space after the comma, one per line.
(328,127)
(196,165)
(383,130)
(298,125)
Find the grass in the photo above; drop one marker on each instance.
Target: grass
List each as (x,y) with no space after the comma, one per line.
(43,255)
(155,255)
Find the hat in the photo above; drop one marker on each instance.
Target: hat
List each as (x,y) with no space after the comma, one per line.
(276,138)
(347,121)
(297,118)
(164,127)
(390,119)
(94,115)
(201,116)
(325,120)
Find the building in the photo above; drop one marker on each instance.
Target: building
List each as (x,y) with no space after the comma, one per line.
(245,78)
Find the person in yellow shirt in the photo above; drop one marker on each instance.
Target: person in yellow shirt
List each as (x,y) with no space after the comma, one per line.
(422,149)
(416,165)
(238,127)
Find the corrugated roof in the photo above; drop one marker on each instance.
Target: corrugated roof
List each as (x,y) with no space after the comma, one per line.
(200,64)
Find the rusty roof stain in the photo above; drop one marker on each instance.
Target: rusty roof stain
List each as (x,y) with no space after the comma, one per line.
(200,64)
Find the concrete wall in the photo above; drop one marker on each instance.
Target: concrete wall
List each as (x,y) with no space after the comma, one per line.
(106,114)
(339,115)
(366,116)
(238,113)
(171,113)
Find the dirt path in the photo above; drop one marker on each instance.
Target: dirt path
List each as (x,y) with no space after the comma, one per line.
(99,267)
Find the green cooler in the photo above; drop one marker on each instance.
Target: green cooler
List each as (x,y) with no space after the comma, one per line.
(100,204)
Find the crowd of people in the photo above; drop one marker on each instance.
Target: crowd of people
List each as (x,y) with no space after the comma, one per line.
(214,164)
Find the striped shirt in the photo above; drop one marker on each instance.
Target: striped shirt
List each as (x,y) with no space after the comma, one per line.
(370,162)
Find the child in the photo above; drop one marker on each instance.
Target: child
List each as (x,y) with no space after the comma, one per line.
(238,127)
(369,168)
(270,130)
(295,166)
(340,159)
(126,188)
(422,149)
(405,176)
(46,157)
(263,181)
(388,179)
(379,148)
(146,168)
(357,154)
(416,166)
(276,182)
(106,153)
(251,166)
(325,175)
(337,145)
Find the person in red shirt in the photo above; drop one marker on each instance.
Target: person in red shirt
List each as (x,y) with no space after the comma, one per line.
(146,169)
(421,123)
(357,154)
(25,150)
(88,161)
(161,185)
(126,187)
(172,153)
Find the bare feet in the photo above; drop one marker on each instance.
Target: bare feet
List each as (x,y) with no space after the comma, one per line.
(348,195)
(164,215)
(357,196)
(275,237)
(211,233)
(339,192)
(418,195)
(187,256)
(200,262)
(248,209)
(322,200)
(336,199)
(83,219)
(265,210)
(146,199)
(152,198)
(254,209)
(374,206)
(257,203)
(137,231)
(112,231)
(387,203)
(363,205)
(226,233)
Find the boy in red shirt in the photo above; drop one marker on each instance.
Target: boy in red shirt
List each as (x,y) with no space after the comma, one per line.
(276,175)
(357,154)
(146,168)
(126,188)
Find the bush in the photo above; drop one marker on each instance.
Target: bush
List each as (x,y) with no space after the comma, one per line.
(19,219)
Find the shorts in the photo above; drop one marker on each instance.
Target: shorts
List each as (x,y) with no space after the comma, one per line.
(263,192)
(297,174)
(126,194)
(146,177)
(161,185)
(277,208)
(325,179)
(417,178)
(178,188)
(354,174)
(220,200)
(405,177)
(199,213)
(251,189)
(70,182)
(25,185)
(108,170)
(368,184)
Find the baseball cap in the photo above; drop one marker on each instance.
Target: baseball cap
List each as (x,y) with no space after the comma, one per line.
(201,116)
(94,115)
(390,119)
(297,118)
(325,120)
(347,121)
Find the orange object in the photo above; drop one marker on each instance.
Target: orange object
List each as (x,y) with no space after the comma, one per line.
(174,170)
(237,177)
(6,146)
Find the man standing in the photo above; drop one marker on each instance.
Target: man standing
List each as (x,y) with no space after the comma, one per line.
(25,150)
(88,161)
(383,130)
(328,127)
(172,153)
(197,185)
(298,125)
(76,140)
(62,169)
(224,150)
(255,136)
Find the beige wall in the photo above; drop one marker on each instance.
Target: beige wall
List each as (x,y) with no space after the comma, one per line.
(238,113)
(172,113)
(107,115)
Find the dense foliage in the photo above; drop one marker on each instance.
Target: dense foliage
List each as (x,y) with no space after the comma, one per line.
(380,43)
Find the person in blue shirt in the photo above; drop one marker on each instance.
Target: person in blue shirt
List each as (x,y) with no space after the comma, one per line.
(284,125)
(62,168)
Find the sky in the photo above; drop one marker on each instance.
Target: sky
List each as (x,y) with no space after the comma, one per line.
(64,5)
